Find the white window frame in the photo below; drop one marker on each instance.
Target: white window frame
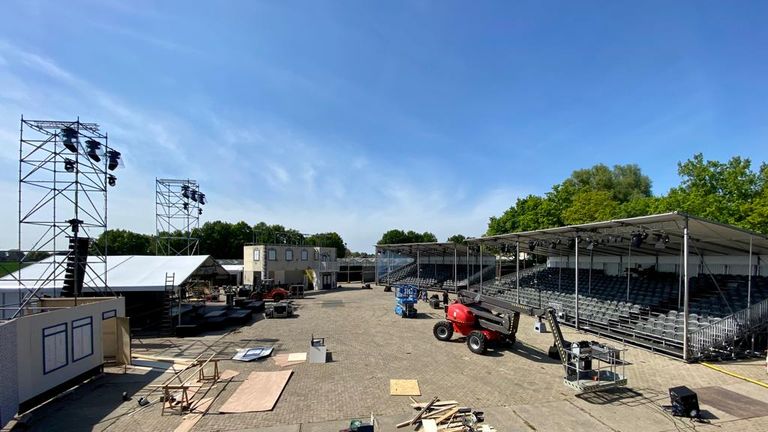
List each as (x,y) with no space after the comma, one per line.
(304,255)
(257,254)
(289,254)
(272,254)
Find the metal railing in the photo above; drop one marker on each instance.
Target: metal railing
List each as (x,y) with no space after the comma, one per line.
(728,329)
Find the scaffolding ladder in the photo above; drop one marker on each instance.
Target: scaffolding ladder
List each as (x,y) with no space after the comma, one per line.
(166,324)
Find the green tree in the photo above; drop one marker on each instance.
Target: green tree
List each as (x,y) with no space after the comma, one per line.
(397,236)
(456,238)
(729,192)
(123,242)
(330,239)
(590,206)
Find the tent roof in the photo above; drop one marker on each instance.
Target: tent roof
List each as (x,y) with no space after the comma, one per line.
(124,272)
(425,249)
(614,237)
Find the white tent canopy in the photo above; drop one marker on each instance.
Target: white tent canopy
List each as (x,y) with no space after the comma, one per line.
(125,273)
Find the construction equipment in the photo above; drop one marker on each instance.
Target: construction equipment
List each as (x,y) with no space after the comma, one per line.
(267,290)
(483,319)
(406,298)
(588,366)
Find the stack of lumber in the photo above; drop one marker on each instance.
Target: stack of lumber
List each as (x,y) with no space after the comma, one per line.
(445,416)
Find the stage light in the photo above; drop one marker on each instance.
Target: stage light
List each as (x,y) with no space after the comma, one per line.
(69,139)
(69,165)
(193,195)
(114,159)
(94,150)
(112,180)
(590,245)
(661,241)
(185,191)
(201,198)
(186,206)
(532,245)
(571,244)
(199,211)
(638,238)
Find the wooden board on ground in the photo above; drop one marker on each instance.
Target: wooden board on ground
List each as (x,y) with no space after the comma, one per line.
(297,357)
(404,387)
(429,425)
(190,420)
(282,360)
(259,392)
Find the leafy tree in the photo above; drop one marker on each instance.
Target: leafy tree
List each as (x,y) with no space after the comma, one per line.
(721,191)
(123,242)
(589,206)
(330,239)
(396,236)
(456,238)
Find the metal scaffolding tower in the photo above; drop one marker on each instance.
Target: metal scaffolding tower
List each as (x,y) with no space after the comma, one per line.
(178,206)
(65,169)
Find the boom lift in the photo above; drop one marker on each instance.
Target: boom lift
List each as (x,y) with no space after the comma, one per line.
(483,319)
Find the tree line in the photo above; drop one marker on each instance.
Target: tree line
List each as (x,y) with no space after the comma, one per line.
(219,239)
(730,192)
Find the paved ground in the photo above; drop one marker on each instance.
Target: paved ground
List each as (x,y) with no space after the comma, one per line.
(519,389)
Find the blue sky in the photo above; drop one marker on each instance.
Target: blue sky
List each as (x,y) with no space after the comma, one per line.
(360,116)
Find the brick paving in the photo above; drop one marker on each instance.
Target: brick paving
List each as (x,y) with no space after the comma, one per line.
(371,345)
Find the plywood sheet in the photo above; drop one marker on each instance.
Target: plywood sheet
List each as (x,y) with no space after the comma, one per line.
(198,411)
(429,425)
(297,357)
(398,387)
(282,360)
(259,392)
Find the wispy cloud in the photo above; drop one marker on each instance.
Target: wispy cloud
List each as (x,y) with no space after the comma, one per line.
(250,170)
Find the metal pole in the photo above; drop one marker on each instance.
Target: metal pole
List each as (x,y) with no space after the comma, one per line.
(577,282)
(685,291)
(749,293)
(455,267)
(591,264)
(418,266)
(467,279)
(629,267)
(517,269)
(481,267)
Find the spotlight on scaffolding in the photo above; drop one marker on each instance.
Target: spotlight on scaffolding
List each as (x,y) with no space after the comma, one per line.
(114,159)
(185,191)
(111,180)
(201,198)
(69,139)
(69,165)
(193,195)
(94,150)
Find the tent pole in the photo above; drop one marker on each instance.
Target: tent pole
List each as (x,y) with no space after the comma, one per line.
(577,282)
(517,269)
(685,291)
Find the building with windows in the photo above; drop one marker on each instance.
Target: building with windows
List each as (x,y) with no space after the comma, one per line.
(312,266)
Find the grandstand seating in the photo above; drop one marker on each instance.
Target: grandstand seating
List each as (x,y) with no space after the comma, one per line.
(428,275)
(647,313)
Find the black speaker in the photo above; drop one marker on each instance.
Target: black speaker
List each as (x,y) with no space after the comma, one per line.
(685,402)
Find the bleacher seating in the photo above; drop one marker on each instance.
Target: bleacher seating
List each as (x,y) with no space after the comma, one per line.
(647,313)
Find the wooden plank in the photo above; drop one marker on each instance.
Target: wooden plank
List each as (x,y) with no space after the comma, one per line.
(190,420)
(438,404)
(297,357)
(451,412)
(429,425)
(404,387)
(259,392)
(436,413)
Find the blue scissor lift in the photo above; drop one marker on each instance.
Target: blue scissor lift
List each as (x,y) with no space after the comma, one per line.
(406,298)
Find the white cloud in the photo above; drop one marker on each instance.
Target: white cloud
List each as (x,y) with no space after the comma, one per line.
(250,170)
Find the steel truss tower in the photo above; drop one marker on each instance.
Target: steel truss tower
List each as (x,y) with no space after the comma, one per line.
(64,174)
(178,206)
